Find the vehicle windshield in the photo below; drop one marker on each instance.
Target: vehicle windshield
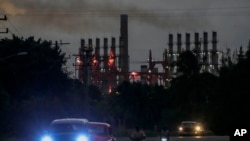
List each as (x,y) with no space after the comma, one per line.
(189,123)
(67,127)
(98,130)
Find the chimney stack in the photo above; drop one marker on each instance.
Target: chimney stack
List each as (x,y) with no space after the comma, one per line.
(97,49)
(90,43)
(124,57)
(214,40)
(113,50)
(105,53)
(205,42)
(214,50)
(170,43)
(82,43)
(179,43)
(188,42)
(197,42)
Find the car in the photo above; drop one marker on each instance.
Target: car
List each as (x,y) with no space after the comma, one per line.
(190,128)
(100,131)
(67,129)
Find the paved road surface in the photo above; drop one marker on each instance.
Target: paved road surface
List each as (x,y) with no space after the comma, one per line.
(188,138)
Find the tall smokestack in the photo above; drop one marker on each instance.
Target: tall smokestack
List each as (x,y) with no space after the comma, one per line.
(113,43)
(113,50)
(197,42)
(205,45)
(97,50)
(171,43)
(205,42)
(80,67)
(82,43)
(214,40)
(188,42)
(214,50)
(171,51)
(179,43)
(124,57)
(90,43)
(105,53)
(119,56)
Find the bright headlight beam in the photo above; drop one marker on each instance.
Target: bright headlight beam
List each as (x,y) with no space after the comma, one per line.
(82,138)
(197,128)
(46,138)
(180,128)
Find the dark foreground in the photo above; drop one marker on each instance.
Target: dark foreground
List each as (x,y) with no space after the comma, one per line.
(185,138)
(173,138)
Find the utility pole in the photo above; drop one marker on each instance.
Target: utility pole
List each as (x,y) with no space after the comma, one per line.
(4,19)
(61,43)
(84,61)
(87,59)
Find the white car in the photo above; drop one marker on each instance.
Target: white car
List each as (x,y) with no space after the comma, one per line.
(67,129)
(190,128)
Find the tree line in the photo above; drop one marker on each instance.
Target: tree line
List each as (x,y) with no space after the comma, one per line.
(35,89)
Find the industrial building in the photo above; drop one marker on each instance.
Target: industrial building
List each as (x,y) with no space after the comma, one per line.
(105,64)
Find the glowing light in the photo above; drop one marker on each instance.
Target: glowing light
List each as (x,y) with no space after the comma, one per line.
(111,58)
(78,60)
(180,128)
(111,62)
(94,62)
(82,138)
(46,138)
(133,73)
(110,89)
(197,128)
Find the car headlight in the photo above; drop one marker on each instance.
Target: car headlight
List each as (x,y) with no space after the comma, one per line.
(47,138)
(180,128)
(82,138)
(198,128)
(163,139)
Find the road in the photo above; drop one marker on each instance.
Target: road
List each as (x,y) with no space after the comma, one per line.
(188,138)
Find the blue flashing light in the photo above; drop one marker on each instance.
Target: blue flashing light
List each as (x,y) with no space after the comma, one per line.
(82,138)
(46,138)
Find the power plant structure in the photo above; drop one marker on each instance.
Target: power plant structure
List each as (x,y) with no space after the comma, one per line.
(208,59)
(108,68)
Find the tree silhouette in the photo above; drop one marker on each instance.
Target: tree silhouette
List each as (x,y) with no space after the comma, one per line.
(190,93)
(34,84)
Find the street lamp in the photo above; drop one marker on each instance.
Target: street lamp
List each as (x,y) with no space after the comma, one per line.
(13,55)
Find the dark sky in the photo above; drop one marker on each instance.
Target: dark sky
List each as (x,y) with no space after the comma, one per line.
(150,22)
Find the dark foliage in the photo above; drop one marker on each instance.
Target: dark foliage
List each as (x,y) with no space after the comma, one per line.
(34,87)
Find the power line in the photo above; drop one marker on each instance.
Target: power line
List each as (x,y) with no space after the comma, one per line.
(11,23)
(19,33)
(6,29)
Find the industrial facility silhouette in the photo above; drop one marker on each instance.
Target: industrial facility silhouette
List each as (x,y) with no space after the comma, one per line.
(108,68)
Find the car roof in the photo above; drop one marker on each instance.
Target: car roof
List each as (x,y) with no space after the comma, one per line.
(99,123)
(69,120)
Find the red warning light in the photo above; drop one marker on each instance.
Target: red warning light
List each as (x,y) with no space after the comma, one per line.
(111,59)
(133,75)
